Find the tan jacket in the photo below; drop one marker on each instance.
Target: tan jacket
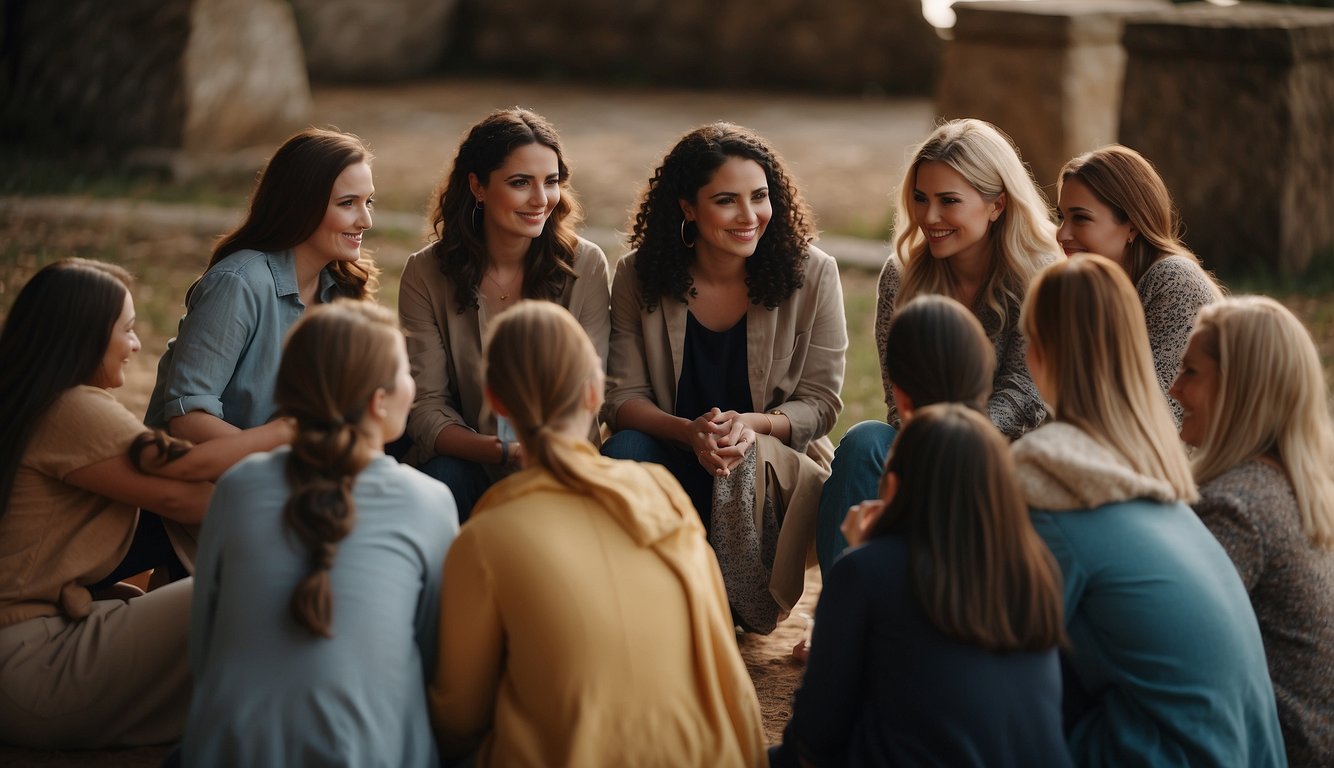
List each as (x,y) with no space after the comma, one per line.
(795,352)
(445,347)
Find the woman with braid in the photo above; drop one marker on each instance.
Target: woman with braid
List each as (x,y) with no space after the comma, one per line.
(318,576)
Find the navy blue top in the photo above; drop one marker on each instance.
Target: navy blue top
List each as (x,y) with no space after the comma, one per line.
(713,370)
(883,686)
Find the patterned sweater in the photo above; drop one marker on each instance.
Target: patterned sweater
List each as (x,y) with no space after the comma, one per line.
(1172,292)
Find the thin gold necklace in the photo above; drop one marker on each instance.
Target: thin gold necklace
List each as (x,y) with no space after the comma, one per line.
(504,290)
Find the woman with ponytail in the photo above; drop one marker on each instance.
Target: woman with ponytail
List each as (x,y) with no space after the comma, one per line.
(319,569)
(587,622)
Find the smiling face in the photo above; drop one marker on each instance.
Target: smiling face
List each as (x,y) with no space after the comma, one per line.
(123,343)
(520,195)
(953,216)
(731,211)
(1196,388)
(338,237)
(1090,225)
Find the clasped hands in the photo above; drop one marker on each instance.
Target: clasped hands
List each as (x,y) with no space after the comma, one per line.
(720,440)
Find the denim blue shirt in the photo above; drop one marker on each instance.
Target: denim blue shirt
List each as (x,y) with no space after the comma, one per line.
(224,359)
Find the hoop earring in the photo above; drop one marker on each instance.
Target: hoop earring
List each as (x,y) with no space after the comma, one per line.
(690,244)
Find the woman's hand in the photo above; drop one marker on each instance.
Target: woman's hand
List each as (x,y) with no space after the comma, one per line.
(860,520)
(704,433)
(732,447)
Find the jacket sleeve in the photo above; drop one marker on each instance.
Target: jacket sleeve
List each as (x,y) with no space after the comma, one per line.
(590,302)
(814,405)
(433,408)
(627,366)
(886,294)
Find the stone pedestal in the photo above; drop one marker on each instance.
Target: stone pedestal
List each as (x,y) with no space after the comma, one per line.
(1236,108)
(201,76)
(1048,73)
(373,40)
(884,46)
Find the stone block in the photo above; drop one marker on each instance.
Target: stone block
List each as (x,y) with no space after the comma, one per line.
(376,40)
(1235,106)
(884,46)
(1048,73)
(195,75)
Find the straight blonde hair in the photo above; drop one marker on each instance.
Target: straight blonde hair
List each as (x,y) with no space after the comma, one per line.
(1084,319)
(1260,347)
(1023,238)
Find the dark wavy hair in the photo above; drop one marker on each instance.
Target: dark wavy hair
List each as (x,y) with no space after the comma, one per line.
(337,355)
(54,338)
(662,259)
(937,352)
(291,199)
(460,243)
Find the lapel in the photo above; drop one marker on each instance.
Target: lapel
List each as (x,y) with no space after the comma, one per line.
(761,326)
(674,315)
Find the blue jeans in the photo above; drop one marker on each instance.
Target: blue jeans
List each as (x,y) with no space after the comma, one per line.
(633,445)
(858,463)
(466,480)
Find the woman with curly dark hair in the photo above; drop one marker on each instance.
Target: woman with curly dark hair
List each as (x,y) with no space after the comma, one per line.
(727,351)
(503,220)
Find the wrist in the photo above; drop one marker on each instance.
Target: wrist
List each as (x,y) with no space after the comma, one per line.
(504,451)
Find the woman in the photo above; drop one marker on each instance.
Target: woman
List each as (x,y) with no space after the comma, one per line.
(318,586)
(1265,465)
(1167,666)
(936,352)
(550,656)
(971,225)
(1113,203)
(300,245)
(728,334)
(504,221)
(82,667)
(936,641)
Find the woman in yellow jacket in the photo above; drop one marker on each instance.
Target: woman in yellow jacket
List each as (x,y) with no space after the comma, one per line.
(583,617)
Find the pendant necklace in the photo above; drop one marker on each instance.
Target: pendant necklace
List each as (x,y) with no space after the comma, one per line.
(504,290)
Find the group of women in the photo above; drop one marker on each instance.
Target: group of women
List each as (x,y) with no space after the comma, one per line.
(644,463)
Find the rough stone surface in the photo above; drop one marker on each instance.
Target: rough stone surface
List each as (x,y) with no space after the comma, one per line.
(834,45)
(1236,108)
(1048,73)
(197,75)
(374,40)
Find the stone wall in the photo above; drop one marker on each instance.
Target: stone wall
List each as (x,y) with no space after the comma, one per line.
(835,45)
(373,40)
(1048,73)
(198,75)
(1236,108)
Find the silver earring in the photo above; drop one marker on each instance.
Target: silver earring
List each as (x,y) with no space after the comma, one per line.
(690,244)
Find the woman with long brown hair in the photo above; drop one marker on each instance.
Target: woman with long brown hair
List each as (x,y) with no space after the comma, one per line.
(503,224)
(318,576)
(935,640)
(584,620)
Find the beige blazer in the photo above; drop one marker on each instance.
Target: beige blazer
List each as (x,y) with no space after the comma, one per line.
(445,346)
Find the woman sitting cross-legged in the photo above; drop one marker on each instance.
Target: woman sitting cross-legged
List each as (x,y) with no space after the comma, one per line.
(1166,665)
(314,623)
(1255,407)
(936,638)
(584,620)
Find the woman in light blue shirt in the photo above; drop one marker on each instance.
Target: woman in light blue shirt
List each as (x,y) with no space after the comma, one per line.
(299,245)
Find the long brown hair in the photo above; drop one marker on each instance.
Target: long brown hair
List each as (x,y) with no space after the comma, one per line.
(937,352)
(539,365)
(979,570)
(54,338)
(337,355)
(460,245)
(291,199)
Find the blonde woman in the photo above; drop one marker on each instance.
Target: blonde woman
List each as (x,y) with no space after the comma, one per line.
(1265,465)
(1113,203)
(584,620)
(971,225)
(314,620)
(1167,666)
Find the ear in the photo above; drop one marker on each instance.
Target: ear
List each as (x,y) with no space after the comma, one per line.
(475,186)
(593,395)
(998,206)
(377,407)
(1134,233)
(495,404)
(687,209)
(902,403)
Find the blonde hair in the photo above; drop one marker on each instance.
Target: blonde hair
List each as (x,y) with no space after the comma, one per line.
(539,365)
(1261,347)
(335,358)
(1022,239)
(1084,319)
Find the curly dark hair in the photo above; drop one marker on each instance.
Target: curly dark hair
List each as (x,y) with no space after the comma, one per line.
(778,265)
(460,245)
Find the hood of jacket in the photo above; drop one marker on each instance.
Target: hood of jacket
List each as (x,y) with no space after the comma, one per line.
(1062,467)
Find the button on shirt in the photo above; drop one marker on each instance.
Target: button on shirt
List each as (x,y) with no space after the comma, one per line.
(224,359)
